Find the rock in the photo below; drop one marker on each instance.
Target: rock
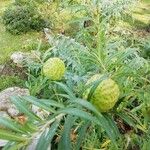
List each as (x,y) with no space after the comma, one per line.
(3,143)
(7,109)
(19,58)
(40,112)
(5,103)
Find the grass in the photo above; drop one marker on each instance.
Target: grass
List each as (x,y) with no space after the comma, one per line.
(9,81)
(140,18)
(3,5)
(10,43)
(141,14)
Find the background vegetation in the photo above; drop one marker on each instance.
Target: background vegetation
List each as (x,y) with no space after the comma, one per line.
(90,37)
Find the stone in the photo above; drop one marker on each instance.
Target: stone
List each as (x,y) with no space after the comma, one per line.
(19,58)
(3,143)
(5,102)
(40,112)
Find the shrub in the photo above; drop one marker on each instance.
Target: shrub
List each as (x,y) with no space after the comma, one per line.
(22,18)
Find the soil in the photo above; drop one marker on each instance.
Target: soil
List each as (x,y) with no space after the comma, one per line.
(11,70)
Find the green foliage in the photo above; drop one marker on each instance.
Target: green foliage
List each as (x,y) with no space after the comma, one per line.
(8,81)
(23,18)
(24,42)
(65,97)
(145,46)
(31,45)
(68,121)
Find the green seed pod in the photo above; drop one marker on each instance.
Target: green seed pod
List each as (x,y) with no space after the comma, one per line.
(105,95)
(54,68)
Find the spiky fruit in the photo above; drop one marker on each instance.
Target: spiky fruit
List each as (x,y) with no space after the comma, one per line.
(105,95)
(54,68)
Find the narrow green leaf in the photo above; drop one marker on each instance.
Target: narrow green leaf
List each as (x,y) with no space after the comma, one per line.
(47,136)
(30,127)
(82,131)
(86,104)
(99,120)
(23,108)
(38,103)
(66,89)
(127,119)
(52,103)
(10,136)
(15,146)
(104,122)
(113,125)
(65,141)
(8,145)
(10,124)
(80,113)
